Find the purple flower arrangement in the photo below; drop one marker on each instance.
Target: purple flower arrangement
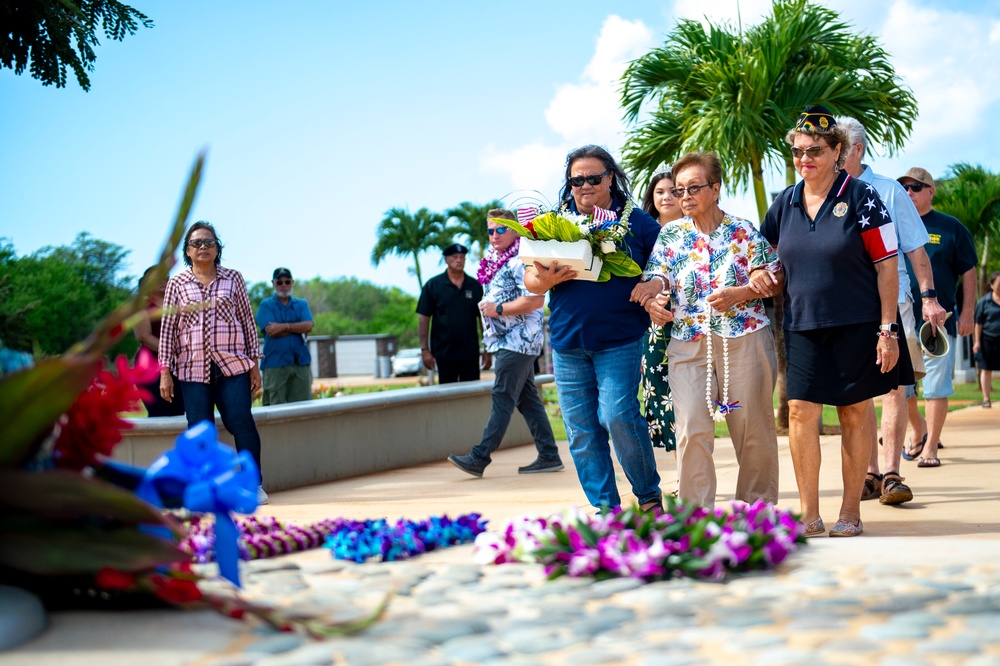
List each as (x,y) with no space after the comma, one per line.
(683,541)
(348,539)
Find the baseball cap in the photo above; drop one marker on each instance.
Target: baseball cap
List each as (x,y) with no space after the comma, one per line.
(919,175)
(455,248)
(281,272)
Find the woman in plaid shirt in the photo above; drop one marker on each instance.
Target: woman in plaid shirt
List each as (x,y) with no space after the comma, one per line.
(208,340)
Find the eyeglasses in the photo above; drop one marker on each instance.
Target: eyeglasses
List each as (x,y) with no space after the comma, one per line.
(283,281)
(693,190)
(198,242)
(578,181)
(812,151)
(916,187)
(499,230)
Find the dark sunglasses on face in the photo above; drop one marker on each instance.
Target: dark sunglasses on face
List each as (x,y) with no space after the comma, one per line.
(283,281)
(499,230)
(693,190)
(198,242)
(578,181)
(916,187)
(812,151)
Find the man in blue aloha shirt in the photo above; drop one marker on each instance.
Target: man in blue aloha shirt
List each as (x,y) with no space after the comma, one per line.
(512,333)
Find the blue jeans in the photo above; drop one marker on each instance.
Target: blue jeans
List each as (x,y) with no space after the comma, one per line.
(599,396)
(233,398)
(515,387)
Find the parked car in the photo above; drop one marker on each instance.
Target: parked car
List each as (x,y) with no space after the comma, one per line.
(406,362)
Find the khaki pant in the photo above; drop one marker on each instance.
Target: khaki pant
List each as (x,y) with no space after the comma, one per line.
(752,373)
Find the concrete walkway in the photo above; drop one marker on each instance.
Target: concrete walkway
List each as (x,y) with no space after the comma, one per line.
(921,586)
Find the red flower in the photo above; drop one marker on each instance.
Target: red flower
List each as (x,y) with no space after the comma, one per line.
(530,226)
(175,590)
(92,425)
(112,579)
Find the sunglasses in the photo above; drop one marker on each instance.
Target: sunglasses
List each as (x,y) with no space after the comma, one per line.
(499,231)
(198,242)
(693,190)
(283,281)
(916,187)
(578,181)
(812,151)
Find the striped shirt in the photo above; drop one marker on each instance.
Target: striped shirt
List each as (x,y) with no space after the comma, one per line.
(208,324)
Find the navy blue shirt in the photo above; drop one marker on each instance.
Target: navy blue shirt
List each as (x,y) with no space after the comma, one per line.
(454,312)
(829,262)
(952,252)
(288,349)
(598,315)
(987,315)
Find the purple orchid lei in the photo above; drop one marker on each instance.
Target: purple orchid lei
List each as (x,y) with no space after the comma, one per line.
(263,537)
(683,541)
(493,261)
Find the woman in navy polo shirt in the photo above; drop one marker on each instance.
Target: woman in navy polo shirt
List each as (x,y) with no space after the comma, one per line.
(596,336)
(837,245)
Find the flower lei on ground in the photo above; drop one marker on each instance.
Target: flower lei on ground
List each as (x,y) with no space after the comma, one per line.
(602,229)
(493,261)
(348,539)
(683,541)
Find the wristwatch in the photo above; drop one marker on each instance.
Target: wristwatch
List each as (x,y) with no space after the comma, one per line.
(930,293)
(892,328)
(499,308)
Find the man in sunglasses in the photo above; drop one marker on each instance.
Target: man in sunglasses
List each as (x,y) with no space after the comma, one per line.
(953,257)
(285,321)
(512,333)
(889,488)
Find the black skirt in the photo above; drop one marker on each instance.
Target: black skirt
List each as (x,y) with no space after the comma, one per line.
(836,365)
(988,357)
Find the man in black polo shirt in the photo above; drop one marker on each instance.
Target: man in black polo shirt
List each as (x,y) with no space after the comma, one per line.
(449,310)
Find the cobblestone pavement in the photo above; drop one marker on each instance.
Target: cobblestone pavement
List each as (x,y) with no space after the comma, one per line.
(463,613)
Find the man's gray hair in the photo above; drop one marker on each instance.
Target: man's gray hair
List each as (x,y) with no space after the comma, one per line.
(855,132)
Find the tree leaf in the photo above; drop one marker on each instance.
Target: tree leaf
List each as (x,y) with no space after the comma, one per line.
(621,264)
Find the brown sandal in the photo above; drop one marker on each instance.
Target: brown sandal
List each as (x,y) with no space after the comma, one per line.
(894,491)
(873,486)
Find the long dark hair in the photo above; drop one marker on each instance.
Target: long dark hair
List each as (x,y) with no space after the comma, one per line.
(202,224)
(619,180)
(648,204)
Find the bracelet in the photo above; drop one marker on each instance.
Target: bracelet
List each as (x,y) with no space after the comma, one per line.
(663,282)
(887,334)
(929,293)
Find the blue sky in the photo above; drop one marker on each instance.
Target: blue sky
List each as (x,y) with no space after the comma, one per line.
(321,116)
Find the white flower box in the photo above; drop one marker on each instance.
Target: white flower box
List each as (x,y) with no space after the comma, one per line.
(577,255)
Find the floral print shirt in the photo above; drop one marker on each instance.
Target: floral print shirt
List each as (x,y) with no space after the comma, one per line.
(695,265)
(518,333)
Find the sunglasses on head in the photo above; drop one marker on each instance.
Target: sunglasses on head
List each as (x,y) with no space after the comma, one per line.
(916,187)
(812,151)
(578,181)
(198,242)
(499,230)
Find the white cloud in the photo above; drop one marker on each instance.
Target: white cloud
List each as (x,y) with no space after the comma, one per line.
(585,111)
(723,11)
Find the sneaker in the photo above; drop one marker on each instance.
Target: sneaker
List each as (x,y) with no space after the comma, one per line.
(467,464)
(261,495)
(542,465)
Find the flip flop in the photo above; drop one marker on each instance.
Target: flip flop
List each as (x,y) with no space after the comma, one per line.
(914,450)
(929,462)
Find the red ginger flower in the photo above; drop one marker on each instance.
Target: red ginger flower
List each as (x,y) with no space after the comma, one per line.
(92,425)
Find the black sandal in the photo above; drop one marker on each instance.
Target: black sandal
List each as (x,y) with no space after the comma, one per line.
(873,486)
(914,450)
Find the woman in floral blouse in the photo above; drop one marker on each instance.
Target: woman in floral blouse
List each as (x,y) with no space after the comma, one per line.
(707,275)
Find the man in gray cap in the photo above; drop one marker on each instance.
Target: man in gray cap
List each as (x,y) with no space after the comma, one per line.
(953,257)
(449,321)
(285,321)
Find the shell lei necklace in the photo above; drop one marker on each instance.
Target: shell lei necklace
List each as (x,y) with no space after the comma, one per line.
(717,409)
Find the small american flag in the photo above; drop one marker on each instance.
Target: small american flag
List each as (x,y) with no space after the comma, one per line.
(527,214)
(602,215)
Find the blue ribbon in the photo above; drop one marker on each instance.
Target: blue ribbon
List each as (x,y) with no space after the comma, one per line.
(215,479)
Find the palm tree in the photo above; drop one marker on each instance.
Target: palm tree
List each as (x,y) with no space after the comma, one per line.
(739,92)
(469,220)
(403,234)
(972,194)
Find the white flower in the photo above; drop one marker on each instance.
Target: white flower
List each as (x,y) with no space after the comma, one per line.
(584,228)
(607,247)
